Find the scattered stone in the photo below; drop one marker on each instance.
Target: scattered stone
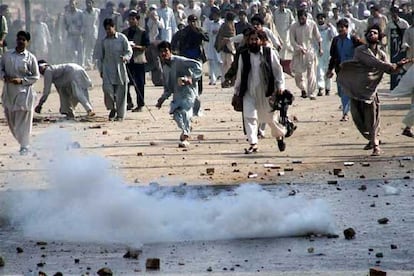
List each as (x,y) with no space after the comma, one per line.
(132,254)
(200,137)
(379,255)
(95,127)
(76,261)
(296,161)
(19,250)
(377,272)
(41,264)
(336,171)
(181,263)
(271,166)
(252,175)
(41,243)
(2,263)
(236,170)
(209,269)
(383,220)
(234,164)
(288,169)
(407,158)
(349,233)
(332,236)
(348,164)
(152,264)
(281,173)
(372,205)
(362,176)
(365,164)
(311,250)
(341,175)
(105,271)
(210,171)
(362,188)
(292,193)
(105,132)
(152,143)
(393,246)
(407,177)
(75,145)
(332,182)
(139,153)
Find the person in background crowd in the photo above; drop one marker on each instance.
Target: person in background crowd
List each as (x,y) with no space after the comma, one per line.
(109,12)
(214,59)
(180,79)
(342,49)
(72,84)
(42,39)
(20,71)
(112,54)
(3,29)
(193,9)
(90,32)
(74,27)
(283,18)
(139,41)
(190,44)
(304,34)
(170,25)
(328,32)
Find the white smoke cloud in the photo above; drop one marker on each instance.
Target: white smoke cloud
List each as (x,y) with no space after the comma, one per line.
(87,202)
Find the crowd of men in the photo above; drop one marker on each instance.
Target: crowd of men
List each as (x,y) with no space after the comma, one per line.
(250,45)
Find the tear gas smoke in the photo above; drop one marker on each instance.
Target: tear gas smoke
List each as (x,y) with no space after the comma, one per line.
(87,202)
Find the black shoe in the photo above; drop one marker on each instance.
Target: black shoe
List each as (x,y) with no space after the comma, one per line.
(408,132)
(130,106)
(281,145)
(327,92)
(137,109)
(304,95)
(112,115)
(252,149)
(320,92)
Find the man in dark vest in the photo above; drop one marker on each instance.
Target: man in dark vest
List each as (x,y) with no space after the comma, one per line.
(260,76)
(136,66)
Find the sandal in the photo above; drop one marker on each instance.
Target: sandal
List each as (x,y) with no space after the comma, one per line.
(252,149)
(376,151)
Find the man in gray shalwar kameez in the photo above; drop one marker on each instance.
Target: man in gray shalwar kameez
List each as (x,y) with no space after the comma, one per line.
(180,79)
(19,71)
(112,54)
(72,84)
(359,79)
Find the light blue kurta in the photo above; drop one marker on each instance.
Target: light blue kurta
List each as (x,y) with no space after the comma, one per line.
(183,96)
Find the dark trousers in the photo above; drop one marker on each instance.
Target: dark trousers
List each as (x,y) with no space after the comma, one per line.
(137,79)
(366,117)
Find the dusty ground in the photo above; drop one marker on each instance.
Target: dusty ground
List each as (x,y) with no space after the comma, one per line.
(143,150)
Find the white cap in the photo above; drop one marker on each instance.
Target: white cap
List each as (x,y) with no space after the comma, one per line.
(367,13)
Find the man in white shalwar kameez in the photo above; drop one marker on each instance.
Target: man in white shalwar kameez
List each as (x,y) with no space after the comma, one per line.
(41,38)
(167,16)
(214,59)
(19,71)
(405,88)
(72,84)
(303,35)
(255,85)
(112,54)
(283,19)
(90,17)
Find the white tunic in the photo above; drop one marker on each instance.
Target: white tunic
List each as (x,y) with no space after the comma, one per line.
(212,28)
